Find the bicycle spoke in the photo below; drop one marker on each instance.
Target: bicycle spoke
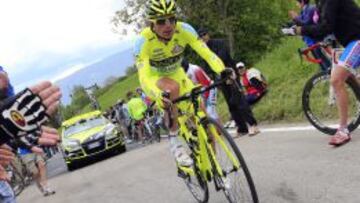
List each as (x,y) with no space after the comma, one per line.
(320,105)
(235,181)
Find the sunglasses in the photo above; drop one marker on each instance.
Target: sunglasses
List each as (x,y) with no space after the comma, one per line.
(162,21)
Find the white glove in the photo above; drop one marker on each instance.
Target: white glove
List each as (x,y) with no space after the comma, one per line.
(288,31)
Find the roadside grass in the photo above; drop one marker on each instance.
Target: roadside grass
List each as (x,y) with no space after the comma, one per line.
(285,74)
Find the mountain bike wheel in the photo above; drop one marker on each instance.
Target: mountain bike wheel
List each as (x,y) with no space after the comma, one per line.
(238,185)
(319,104)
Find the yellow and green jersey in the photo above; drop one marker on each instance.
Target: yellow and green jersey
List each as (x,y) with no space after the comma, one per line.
(136,108)
(154,57)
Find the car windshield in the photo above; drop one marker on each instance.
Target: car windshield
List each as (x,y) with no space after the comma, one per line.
(83,125)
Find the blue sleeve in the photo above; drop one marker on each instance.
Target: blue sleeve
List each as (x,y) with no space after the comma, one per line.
(11,91)
(306,16)
(139,43)
(189,29)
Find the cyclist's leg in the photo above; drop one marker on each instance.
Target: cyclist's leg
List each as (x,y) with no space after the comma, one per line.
(177,84)
(139,130)
(169,85)
(349,60)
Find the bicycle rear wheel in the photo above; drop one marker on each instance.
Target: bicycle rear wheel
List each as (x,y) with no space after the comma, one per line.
(319,104)
(238,184)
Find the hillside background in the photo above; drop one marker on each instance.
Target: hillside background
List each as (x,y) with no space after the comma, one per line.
(253,36)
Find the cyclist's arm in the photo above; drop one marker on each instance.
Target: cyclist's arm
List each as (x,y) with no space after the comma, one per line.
(143,65)
(200,47)
(327,22)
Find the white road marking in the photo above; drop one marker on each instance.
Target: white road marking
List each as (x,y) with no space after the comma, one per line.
(284,129)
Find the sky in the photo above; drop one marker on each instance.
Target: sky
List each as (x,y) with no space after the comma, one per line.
(49,39)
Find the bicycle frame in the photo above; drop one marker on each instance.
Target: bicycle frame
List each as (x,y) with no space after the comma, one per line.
(192,131)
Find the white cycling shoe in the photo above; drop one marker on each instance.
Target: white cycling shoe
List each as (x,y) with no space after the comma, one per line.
(227,183)
(182,157)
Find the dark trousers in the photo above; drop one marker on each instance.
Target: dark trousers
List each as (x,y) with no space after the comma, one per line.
(239,109)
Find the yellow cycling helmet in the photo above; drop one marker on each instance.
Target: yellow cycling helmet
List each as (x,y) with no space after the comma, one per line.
(160,8)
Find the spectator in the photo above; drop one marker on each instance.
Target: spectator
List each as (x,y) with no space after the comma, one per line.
(253,82)
(122,117)
(309,16)
(238,107)
(198,76)
(7,90)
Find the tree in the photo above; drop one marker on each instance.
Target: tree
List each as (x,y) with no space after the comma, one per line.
(250,27)
(130,70)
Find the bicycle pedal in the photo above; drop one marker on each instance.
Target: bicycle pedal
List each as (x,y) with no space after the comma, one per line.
(181,174)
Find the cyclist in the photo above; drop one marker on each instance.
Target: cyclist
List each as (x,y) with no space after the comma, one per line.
(159,52)
(137,109)
(253,82)
(342,18)
(198,76)
(238,107)
(143,96)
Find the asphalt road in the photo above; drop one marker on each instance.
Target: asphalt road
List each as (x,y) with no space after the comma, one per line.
(287,166)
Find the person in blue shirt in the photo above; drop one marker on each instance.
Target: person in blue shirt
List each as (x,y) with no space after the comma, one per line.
(34,162)
(6,89)
(309,16)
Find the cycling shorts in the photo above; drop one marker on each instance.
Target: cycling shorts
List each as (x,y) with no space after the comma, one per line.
(350,58)
(178,75)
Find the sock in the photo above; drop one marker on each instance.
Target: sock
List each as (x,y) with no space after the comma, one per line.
(344,129)
(174,141)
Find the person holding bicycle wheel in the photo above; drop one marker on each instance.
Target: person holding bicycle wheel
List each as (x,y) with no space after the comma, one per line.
(159,52)
(342,18)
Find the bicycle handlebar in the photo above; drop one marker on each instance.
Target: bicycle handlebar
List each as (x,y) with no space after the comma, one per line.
(197,91)
(305,51)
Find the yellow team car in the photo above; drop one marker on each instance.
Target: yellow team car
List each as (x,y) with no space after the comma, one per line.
(87,135)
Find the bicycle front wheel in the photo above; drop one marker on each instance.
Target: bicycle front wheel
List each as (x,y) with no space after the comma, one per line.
(319,104)
(237,182)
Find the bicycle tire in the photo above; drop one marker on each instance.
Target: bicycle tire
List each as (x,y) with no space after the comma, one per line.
(319,116)
(197,184)
(197,181)
(16,182)
(235,195)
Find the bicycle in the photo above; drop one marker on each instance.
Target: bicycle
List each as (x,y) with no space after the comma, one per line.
(318,97)
(215,154)
(20,176)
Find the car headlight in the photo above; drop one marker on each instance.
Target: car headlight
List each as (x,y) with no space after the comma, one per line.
(72,145)
(111,132)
